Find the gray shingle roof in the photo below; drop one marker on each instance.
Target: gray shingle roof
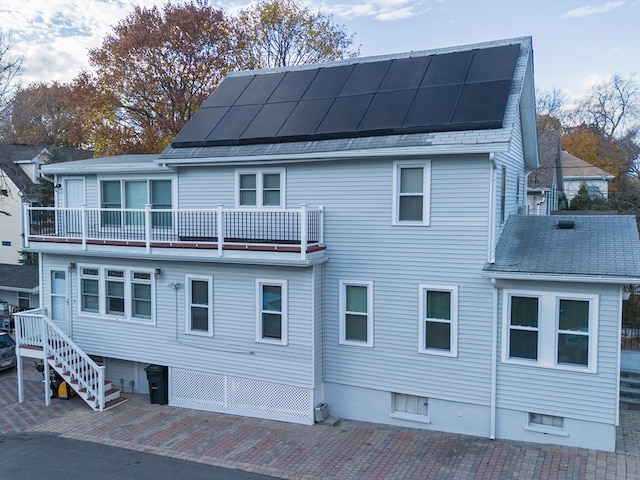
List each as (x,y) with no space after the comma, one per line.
(22,277)
(598,246)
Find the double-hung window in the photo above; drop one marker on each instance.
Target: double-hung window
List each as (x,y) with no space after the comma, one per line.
(411,190)
(356,313)
(134,195)
(550,329)
(438,329)
(117,293)
(271,311)
(262,188)
(199,313)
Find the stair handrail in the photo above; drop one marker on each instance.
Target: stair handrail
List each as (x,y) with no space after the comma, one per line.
(88,374)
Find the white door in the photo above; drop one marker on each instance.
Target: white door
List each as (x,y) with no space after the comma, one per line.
(59,300)
(73,198)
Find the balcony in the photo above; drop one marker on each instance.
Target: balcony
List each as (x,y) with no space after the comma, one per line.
(297,231)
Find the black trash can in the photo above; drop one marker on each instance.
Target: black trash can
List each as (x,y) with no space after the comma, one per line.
(158,384)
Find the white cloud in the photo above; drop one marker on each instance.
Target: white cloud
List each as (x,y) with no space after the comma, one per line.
(592,9)
(385,10)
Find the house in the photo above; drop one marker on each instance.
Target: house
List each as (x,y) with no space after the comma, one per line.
(340,236)
(19,179)
(544,184)
(577,172)
(19,290)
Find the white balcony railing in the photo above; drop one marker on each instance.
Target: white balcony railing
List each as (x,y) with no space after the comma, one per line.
(300,228)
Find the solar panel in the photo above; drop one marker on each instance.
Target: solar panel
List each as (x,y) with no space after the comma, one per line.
(433,106)
(328,82)
(447,69)
(228,91)
(457,90)
(293,86)
(269,120)
(199,126)
(345,114)
(365,78)
(482,103)
(495,63)
(230,127)
(260,89)
(305,118)
(387,110)
(404,74)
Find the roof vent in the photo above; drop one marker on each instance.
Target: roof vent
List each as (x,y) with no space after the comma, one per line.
(566,224)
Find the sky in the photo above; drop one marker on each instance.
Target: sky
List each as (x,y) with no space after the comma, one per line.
(577,43)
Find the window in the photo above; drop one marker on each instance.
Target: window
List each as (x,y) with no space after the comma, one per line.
(117,292)
(550,329)
(199,304)
(542,423)
(24,302)
(410,407)
(411,193)
(135,195)
(523,328)
(356,313)
(260,189)
(438,312)
(271,311)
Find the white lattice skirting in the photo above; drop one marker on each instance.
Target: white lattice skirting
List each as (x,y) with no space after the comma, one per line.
(240,396)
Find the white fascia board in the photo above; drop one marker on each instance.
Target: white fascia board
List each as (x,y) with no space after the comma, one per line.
(550,277)
(391,152)
(60,169)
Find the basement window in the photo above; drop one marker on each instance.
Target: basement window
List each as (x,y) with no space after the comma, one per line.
(410,407)
(548,424)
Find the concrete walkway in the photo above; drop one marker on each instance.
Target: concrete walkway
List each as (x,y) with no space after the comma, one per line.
(348,450)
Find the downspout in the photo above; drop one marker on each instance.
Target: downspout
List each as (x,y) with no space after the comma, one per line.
(494,360)
(491,251)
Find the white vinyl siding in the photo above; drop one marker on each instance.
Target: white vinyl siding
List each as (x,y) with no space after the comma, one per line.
(199,305)
(411,191)
(356,313)
(550,330)
(438,327)
(271,311)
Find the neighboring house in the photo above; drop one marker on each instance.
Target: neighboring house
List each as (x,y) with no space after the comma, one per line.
(19,290)
(576,172)
(342,233)
(19,178)
(544,184)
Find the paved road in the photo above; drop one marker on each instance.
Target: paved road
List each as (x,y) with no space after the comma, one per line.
(41,456)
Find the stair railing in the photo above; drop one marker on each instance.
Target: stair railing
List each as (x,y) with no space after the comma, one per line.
(78,369)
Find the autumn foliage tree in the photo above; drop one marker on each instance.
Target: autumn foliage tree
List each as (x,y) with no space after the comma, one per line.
(282,33)
(158,66)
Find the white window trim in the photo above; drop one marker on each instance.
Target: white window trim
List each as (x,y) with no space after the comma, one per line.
(343,284)
(284,340)
(128,295)
(546,429)
(422,290)
(259,172)
(187,305)
(548,314)
(426,192)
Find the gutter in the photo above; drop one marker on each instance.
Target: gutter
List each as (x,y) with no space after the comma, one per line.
(563,277)
(494,361)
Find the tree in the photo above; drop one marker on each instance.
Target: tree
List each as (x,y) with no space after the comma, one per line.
(282,33)
(156,69)
(10,69)
(41,114)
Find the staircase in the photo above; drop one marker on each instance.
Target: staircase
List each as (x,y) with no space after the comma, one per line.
(37,337)
(630,388)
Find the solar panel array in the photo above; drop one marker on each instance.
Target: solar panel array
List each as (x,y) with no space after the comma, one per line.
(454,91)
